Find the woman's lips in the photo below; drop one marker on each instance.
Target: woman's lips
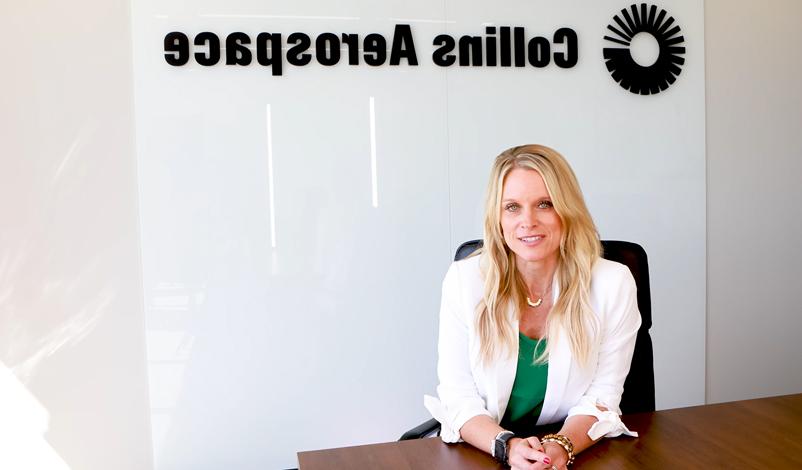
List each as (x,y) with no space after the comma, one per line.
(531,239)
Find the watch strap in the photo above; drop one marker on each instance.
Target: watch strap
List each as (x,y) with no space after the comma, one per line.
(499,449)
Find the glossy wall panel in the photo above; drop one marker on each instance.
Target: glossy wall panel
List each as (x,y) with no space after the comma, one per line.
(296,228)
(304,326)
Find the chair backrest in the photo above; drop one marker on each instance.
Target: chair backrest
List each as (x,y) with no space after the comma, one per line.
(639,387)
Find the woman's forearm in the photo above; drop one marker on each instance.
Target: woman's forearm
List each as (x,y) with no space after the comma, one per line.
(480,431)
(576,430)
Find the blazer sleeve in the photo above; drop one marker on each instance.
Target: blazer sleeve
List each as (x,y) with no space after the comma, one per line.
(620,322)
(457,390)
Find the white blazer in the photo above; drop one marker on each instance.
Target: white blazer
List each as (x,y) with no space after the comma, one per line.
(468,389)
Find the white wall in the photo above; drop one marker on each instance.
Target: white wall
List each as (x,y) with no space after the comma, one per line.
(71,316)
(754,190)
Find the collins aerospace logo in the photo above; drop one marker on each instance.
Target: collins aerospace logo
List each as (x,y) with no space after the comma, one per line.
(639,79)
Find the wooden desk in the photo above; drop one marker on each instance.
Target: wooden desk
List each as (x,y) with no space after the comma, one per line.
(752,434)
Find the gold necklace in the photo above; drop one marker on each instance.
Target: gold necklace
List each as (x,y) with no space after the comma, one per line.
(534,304)
(539,300)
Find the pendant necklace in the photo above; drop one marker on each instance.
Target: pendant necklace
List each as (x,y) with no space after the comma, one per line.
(534,304)
(539,300)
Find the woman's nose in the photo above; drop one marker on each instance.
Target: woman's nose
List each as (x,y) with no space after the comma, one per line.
(529,218)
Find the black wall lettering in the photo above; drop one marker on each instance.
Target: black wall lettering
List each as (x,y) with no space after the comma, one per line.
(327,49)
(441,55)
(539,51)
(506,51)
(236,51)
(403,46)
(490,45)
(506,46)
(212,55)
(176,48)
(520,47)
(470,50)
(570,57)
(352,43)
(297,54)
(375,49)
(274,58)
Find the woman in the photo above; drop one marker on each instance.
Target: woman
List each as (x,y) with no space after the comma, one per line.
(536,328)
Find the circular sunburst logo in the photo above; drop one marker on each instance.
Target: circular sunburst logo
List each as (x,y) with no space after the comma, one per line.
(639,79)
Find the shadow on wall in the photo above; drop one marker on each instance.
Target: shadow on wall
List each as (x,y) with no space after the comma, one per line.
(22,428)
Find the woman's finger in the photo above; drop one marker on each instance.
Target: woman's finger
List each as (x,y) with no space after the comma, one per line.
(534,442)
(522,456)
(528,454)
(533,455)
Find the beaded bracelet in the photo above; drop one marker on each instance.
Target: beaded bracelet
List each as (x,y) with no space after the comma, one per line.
(564,442)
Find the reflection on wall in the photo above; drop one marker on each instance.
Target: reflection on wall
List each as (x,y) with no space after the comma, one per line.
(169,347)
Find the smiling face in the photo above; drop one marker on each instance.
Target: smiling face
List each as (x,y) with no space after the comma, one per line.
(531,227)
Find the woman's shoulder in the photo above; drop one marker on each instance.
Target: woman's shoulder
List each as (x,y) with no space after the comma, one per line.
(606,268)
(465,277)
(613,294)
(469,265)
(466,270)
(610,277)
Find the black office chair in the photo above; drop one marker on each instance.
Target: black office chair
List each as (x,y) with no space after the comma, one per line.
(638,393)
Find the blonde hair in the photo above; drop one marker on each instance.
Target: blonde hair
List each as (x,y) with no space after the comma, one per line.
(504,287)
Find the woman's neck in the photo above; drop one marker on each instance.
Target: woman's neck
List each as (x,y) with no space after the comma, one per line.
(537,275)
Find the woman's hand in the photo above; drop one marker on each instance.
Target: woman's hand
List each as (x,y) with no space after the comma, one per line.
(557,454)
(528,454)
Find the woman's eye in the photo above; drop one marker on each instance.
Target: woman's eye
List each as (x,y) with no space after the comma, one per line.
(512,207)
(545,205)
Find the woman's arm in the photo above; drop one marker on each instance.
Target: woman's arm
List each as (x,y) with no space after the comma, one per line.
(575,429)
(481,432)
(619,331)
(457,389)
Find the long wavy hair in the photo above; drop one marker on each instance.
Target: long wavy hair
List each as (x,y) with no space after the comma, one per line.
(504,288)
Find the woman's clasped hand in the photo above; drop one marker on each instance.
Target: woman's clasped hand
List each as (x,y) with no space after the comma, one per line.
(530,454)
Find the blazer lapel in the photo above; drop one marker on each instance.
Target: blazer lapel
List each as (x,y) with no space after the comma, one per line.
(559,368)
(505,374)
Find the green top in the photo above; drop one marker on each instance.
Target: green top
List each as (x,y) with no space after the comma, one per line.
(529,389)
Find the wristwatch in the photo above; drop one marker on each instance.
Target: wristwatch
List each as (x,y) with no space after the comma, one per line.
(499,448)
